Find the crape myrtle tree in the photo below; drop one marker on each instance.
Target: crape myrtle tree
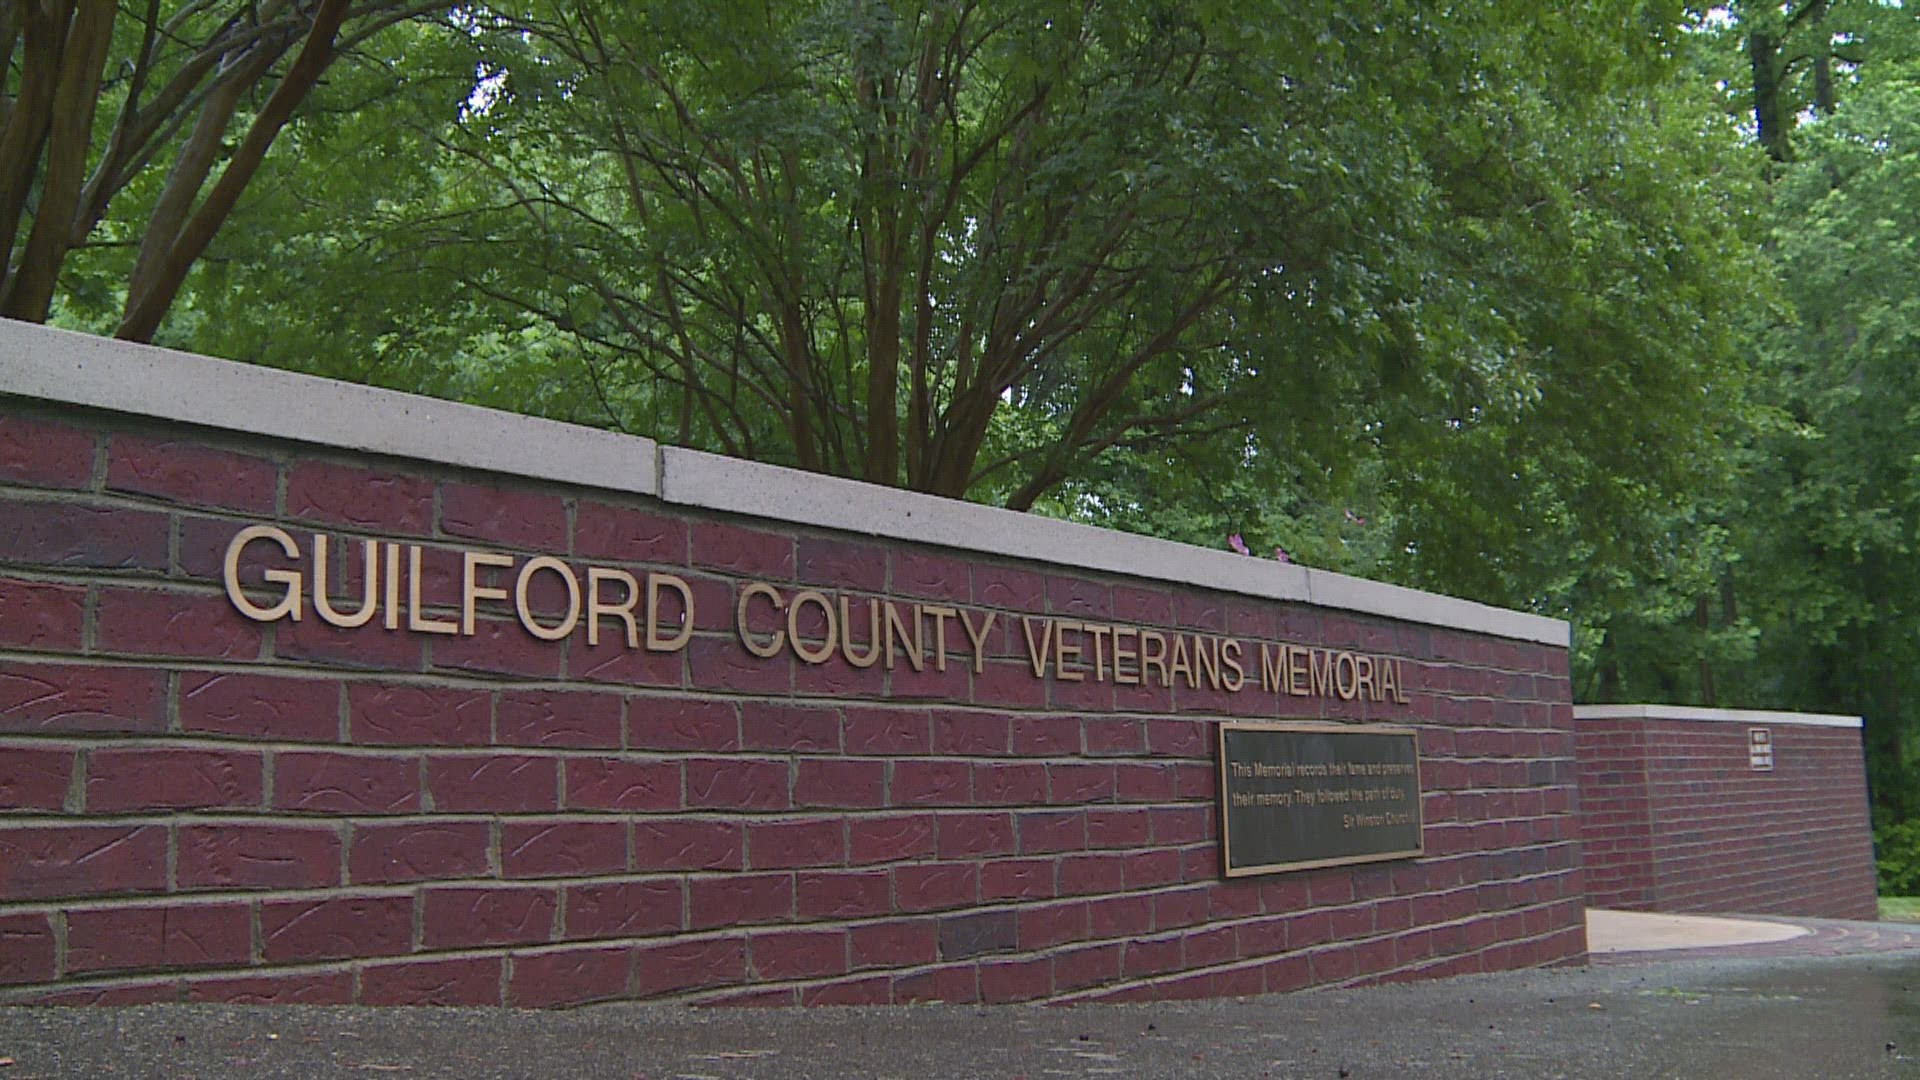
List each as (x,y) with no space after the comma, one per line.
(182,97)
(999,249)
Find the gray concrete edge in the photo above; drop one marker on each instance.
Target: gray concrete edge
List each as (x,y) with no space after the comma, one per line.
(1720,716)
(143,380)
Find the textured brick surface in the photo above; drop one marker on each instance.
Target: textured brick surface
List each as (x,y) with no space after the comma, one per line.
(1673,818)
(197,806)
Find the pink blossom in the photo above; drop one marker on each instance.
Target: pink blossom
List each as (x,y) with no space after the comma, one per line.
(1238,544)
(1280,553)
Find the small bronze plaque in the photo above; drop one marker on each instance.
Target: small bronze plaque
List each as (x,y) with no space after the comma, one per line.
(1302,795)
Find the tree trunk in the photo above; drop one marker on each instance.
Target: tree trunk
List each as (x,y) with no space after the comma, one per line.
(1763,52)
(144,313)
(29,291)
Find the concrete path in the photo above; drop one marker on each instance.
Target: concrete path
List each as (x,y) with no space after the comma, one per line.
(1638,931)
(1842,1000)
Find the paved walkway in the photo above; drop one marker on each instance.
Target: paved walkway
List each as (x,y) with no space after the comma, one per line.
(1841,1000)
(1626,938)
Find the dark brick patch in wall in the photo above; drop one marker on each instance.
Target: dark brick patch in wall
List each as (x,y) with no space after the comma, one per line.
(198,807)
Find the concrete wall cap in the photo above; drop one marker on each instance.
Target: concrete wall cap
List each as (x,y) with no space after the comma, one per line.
(1728,716)
(143,380)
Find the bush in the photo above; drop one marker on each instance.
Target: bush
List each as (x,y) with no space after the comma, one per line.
(1896,849)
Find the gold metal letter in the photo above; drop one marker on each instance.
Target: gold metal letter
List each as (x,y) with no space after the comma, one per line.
(369,586)
(566,625)
(471,590)
(656,643)
(800,648)
(597,610)
(288,606)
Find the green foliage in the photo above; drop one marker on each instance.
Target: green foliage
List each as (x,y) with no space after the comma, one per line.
(1896,850)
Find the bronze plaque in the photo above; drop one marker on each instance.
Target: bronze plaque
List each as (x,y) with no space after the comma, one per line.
(1301,795)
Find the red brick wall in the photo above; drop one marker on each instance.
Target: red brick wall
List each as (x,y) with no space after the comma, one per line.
(1674,819)
(195,806)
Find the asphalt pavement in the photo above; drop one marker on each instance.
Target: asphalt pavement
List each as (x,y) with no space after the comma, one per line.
(1842,1000)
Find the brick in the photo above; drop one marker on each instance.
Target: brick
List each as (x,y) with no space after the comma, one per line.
(782,845)
(73,536)
(677,966)
(887,732)
(53,698)
(618,784)
(747,552)
(937,886)
(797,954)
(616,664)
(562,848)
(509,518)
(1082,968)
(1017,879)
(557,718)
(1001,783)
(26,949)
(622,534)
(723,665)
(870,990)
(840,783)
(324,988)
(682,724)
(902,943)
(498,647)
(930,783)
(1119,828)
(155,778)
(1011,684)
(738,784)
(335,928)
(366,499)
(191,473)
(399,853)
(260,707)
(1115,735)
(1042,927)
(341,783)
(314,641)
(974,835)
(41,453)
(1140,782)
(953,684)
(571,977)
(625,909)
(933,577)
(1009,589)
(403,715)
(41,617)
(459,916)
(469,981)
(500,783)
(739,899)
(796,729)
(35,777)
(172,936)
(889,839)
(687,844)
(140,993)
(257,856)
(1005,981)
(1078,783)
(1084,874)
(970,734)
(835,894)
(841,564)
(142,622)
(1052,831)
(1078,597)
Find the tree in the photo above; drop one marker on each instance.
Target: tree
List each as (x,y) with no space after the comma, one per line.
(97,100)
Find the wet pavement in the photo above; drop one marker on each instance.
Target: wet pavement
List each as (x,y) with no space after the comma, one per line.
(1842,1001)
